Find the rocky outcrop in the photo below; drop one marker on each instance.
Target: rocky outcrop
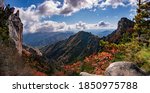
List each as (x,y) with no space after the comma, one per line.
(124,29)
(29,51)
(124,69)
(11,26)
(15,30)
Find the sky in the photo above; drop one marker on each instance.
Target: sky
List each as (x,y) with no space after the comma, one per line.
(72,15)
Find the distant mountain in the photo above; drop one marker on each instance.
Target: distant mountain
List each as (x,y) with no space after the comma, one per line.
(40,39)
(72,49)
(83,44)
(101,32)
(124,30)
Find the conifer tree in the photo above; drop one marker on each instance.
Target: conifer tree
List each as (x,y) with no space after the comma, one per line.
(142,21)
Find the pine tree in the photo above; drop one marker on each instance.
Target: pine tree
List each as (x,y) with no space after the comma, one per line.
(142,22)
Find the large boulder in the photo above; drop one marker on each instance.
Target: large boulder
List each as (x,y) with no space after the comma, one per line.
(124,69)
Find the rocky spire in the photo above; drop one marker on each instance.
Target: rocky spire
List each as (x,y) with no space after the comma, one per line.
(15,30)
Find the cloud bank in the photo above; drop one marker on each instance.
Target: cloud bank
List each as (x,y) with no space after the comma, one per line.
(32,16)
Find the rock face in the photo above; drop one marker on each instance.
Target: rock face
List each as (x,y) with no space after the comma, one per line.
(15,30)
(125,27)
(76,47)
(124,69)
(29,51)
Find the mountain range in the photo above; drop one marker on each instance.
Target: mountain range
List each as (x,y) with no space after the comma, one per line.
(59,49)
(40,39)
(83,44)
(71,52)
(43,38)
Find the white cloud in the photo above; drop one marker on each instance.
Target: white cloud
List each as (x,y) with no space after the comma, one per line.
(87,26)
(133,2)
(49,26)
(32,16)
(132,13)
(72,6)
(56,26)
(113,3)
(49,7)
(81,25)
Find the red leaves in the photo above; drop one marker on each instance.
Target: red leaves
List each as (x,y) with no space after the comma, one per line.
(60,73)
(99,62)
(94,64)
(75,67)
(37,73)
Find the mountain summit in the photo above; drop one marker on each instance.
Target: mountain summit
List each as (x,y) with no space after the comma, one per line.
(125,27)
(76,47)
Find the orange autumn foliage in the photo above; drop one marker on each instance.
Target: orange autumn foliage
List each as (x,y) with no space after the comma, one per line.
(38,73)
(94,64)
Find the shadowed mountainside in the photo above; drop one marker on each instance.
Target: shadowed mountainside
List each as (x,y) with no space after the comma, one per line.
(74,48)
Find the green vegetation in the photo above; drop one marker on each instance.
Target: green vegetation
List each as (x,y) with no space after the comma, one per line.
(142,22)
(86,67)
(4,32)
(137,50)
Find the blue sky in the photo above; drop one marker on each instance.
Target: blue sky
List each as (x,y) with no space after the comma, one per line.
(63,15)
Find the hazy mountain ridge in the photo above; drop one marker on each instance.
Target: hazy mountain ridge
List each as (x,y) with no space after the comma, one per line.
(40,39)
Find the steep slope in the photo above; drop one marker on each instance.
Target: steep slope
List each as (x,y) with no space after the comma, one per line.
(15,58)
(75,48)
(40,39)
(125,29)
(11,63)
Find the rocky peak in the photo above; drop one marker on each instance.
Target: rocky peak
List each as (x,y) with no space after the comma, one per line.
(125,27)
(83,33)
(15,30)
(11,21)
(74,48)
(124,24)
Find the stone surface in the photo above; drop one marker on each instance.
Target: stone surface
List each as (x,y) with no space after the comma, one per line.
(31,51)
(124,69)
(15,31)
(86,74)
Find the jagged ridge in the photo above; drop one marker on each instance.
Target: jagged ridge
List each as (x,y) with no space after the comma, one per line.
(76,47)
